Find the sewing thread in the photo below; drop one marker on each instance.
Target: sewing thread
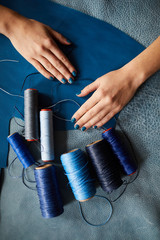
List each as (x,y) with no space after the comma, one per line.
(47,135)
(125,158)
(20,148)
(31,114)
(105,165)
(76,167)
(48,191)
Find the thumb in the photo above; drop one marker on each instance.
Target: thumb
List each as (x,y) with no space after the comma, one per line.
(58,36)
(88,89)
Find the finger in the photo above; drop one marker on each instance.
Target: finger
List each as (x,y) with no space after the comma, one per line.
(86,106)
(88,89)
(58,65)
(60,55)
(105,119)
(96,113)
(60,37)
(41,69)
(51,69)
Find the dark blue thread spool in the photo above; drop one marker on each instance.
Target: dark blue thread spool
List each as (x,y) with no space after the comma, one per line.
(20,148)
(105,165)
(125,159)
(48,191)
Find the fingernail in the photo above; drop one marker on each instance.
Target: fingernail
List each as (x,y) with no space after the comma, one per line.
(74,74)
(69,41)
(95,127)
(51,78)
(70,80)
(73,120)
(78,93)
(77,126)
(83,129)
(64,80)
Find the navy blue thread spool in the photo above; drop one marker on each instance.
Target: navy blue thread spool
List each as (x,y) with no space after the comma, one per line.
(105,165)
(125,159)
(20,148)
(76,167)
(48,191)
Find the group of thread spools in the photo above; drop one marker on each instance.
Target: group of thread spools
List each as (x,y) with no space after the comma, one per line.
(106,160)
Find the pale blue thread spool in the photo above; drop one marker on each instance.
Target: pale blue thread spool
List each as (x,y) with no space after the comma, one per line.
(47,135)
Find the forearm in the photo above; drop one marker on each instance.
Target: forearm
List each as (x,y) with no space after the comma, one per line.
(8,20)
(145,64)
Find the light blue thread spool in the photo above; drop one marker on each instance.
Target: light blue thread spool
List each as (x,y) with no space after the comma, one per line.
(76,167)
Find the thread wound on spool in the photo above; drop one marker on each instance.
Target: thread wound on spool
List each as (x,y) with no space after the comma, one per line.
(46,110)
(76,167)
(105,165)
(20,148)
(31,114)
(48,191)
(32,89)
(47,135)
(125,159)
(107,130)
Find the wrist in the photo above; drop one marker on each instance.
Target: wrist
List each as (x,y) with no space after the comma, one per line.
(9,19)
(136,73)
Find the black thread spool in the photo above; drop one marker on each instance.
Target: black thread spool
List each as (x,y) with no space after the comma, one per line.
(105,165)
(31,114)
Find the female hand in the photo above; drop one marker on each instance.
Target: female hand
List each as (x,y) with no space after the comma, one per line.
(112,92)
(36,42)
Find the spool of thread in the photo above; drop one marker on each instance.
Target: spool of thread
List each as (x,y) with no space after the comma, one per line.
(126,160)
(48,191)
(31,114)
(105,165)
(47,140)
(76,167)
(20,148)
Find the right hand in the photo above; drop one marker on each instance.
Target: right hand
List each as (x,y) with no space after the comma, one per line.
(36,43)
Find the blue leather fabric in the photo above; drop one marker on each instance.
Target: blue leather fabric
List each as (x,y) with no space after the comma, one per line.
(97,48)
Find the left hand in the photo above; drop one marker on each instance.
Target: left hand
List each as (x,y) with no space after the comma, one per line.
(112,92)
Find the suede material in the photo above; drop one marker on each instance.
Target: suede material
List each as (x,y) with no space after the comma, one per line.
(136,213)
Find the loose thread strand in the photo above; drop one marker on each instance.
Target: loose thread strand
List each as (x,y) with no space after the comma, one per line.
(11,94)
(23,180)
(9,60)
(101,224)
(9,169)
(125,183)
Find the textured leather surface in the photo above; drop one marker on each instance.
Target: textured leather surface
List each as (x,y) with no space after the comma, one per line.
(136,214)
